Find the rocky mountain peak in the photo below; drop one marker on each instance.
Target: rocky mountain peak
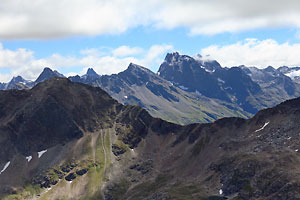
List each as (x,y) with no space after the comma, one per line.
(17,79)
(91,72)
(270,69)
(172,56)
(137,70)
(17,82)
(89,76)
(48,73)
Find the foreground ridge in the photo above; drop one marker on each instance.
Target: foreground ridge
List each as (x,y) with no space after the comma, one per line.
(61,135)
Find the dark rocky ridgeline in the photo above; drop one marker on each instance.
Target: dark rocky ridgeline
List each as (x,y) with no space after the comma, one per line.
(137,156)
(139,86)
(53,112)
(270,77)
(210,79)
(46,74)
(232,158)
(189,89)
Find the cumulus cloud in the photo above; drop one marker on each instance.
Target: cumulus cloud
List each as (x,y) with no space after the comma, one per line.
(114,63)
(127,51)
(19,61)
(44,19)
(253,52)
(104,61)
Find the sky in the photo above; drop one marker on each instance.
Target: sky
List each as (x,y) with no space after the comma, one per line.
(107,35)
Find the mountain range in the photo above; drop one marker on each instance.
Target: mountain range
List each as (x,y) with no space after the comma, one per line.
(189,89)
(68,140)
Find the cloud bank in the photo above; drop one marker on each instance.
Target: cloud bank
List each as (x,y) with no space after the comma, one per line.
(44,19)
(23,62)
(253,52)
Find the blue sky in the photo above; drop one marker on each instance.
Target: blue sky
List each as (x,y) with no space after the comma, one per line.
(71,36)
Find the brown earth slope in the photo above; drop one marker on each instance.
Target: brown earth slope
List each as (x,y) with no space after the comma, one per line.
(65,140)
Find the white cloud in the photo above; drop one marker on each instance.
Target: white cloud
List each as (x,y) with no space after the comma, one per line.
(127,51)
(43,19)
(103,60)
(20,61)
(117,62)
(253,52)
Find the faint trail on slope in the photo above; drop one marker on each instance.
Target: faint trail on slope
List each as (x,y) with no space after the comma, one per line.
(104,150)
(94,146)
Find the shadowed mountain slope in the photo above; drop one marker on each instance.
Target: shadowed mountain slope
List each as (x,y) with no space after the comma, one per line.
(139,86)
(66,140)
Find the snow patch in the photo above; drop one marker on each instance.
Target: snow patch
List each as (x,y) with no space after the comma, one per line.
(197,92)
(220,191)
(220,80)
(262,127)
(210,71)
(207,70)
(289,138)
(28,158)
(296,150)
(187,58)
(41,153)
(158,73)
(293,74)
(182,87)
(5,167)
(226,88)
(126,97)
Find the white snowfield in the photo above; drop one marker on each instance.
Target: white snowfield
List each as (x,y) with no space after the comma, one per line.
(5,167)
(182,87)
(220,80)
(28,158)
(41,153)
(262,127)
(197,92)
(220,191)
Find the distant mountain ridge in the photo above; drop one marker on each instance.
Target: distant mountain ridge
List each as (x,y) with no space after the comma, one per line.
(189,89)
(210,79)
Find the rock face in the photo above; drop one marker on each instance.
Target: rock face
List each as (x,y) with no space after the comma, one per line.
(34,122)
(190,89)
(271,79)
(139,86)
(210,79)
(114,151)
(47,74)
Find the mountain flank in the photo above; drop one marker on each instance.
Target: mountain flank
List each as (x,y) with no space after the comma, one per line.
(189,89)
(67,140)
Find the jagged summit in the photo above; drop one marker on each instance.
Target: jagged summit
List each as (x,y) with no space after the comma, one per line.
(91,72)
(135,67)
(209,78)
(175,57)
(17,79)
(48,73)
(88,77)
(18,82)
